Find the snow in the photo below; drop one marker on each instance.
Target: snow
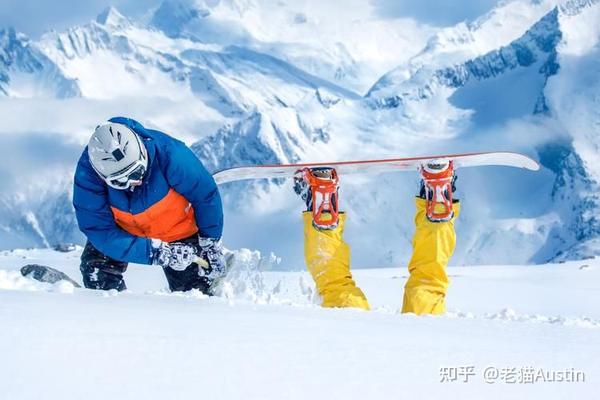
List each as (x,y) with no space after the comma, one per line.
(271,339)
(246,82)
(112,17)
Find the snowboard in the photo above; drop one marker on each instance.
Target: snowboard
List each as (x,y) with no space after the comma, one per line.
(46,274)
(507,159)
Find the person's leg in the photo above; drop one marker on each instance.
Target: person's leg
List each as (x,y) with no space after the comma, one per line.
(182,281)
(327,258)
(433,245)
(100,271)
(326,253)
(190,278)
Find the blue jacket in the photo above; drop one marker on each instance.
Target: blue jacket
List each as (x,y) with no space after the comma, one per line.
(177,199)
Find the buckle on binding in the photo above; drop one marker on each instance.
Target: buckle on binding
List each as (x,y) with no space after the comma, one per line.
(437,179)
(324,184)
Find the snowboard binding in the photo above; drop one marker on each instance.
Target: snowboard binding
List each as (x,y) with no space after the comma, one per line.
(437,188)
(318,187)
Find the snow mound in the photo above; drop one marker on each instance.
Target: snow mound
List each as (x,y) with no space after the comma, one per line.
(13,280)
(510,315)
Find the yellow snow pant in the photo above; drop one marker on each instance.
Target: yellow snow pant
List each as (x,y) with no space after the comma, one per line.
(327,258)
(433,245)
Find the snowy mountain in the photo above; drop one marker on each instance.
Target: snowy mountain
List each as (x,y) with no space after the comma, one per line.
(302,33)
(446,100)
(27,72)
(449,94)
(248,82)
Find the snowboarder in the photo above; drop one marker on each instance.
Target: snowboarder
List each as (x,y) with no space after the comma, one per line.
(142,196)
(327,255)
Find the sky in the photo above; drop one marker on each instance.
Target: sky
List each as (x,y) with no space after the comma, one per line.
(33,17)
(434,12)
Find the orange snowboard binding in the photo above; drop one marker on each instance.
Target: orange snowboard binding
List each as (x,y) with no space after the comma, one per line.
(437,189)
(318,187)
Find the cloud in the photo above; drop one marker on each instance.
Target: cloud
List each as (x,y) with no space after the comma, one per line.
(433,12)
(33,17)
(25,157)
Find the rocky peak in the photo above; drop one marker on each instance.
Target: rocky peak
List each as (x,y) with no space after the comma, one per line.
(111,17)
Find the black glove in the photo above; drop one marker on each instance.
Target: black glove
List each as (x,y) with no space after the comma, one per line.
(211,250)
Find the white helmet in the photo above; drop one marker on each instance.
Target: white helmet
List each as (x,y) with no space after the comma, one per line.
(118,155)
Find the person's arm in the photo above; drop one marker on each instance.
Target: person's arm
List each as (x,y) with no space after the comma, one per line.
(186,174)
(97,222)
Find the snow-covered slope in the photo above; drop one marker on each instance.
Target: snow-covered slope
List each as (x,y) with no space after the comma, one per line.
(267,337)
(248,82)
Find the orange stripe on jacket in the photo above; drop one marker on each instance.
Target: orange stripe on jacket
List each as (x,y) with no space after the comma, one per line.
(171,218)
